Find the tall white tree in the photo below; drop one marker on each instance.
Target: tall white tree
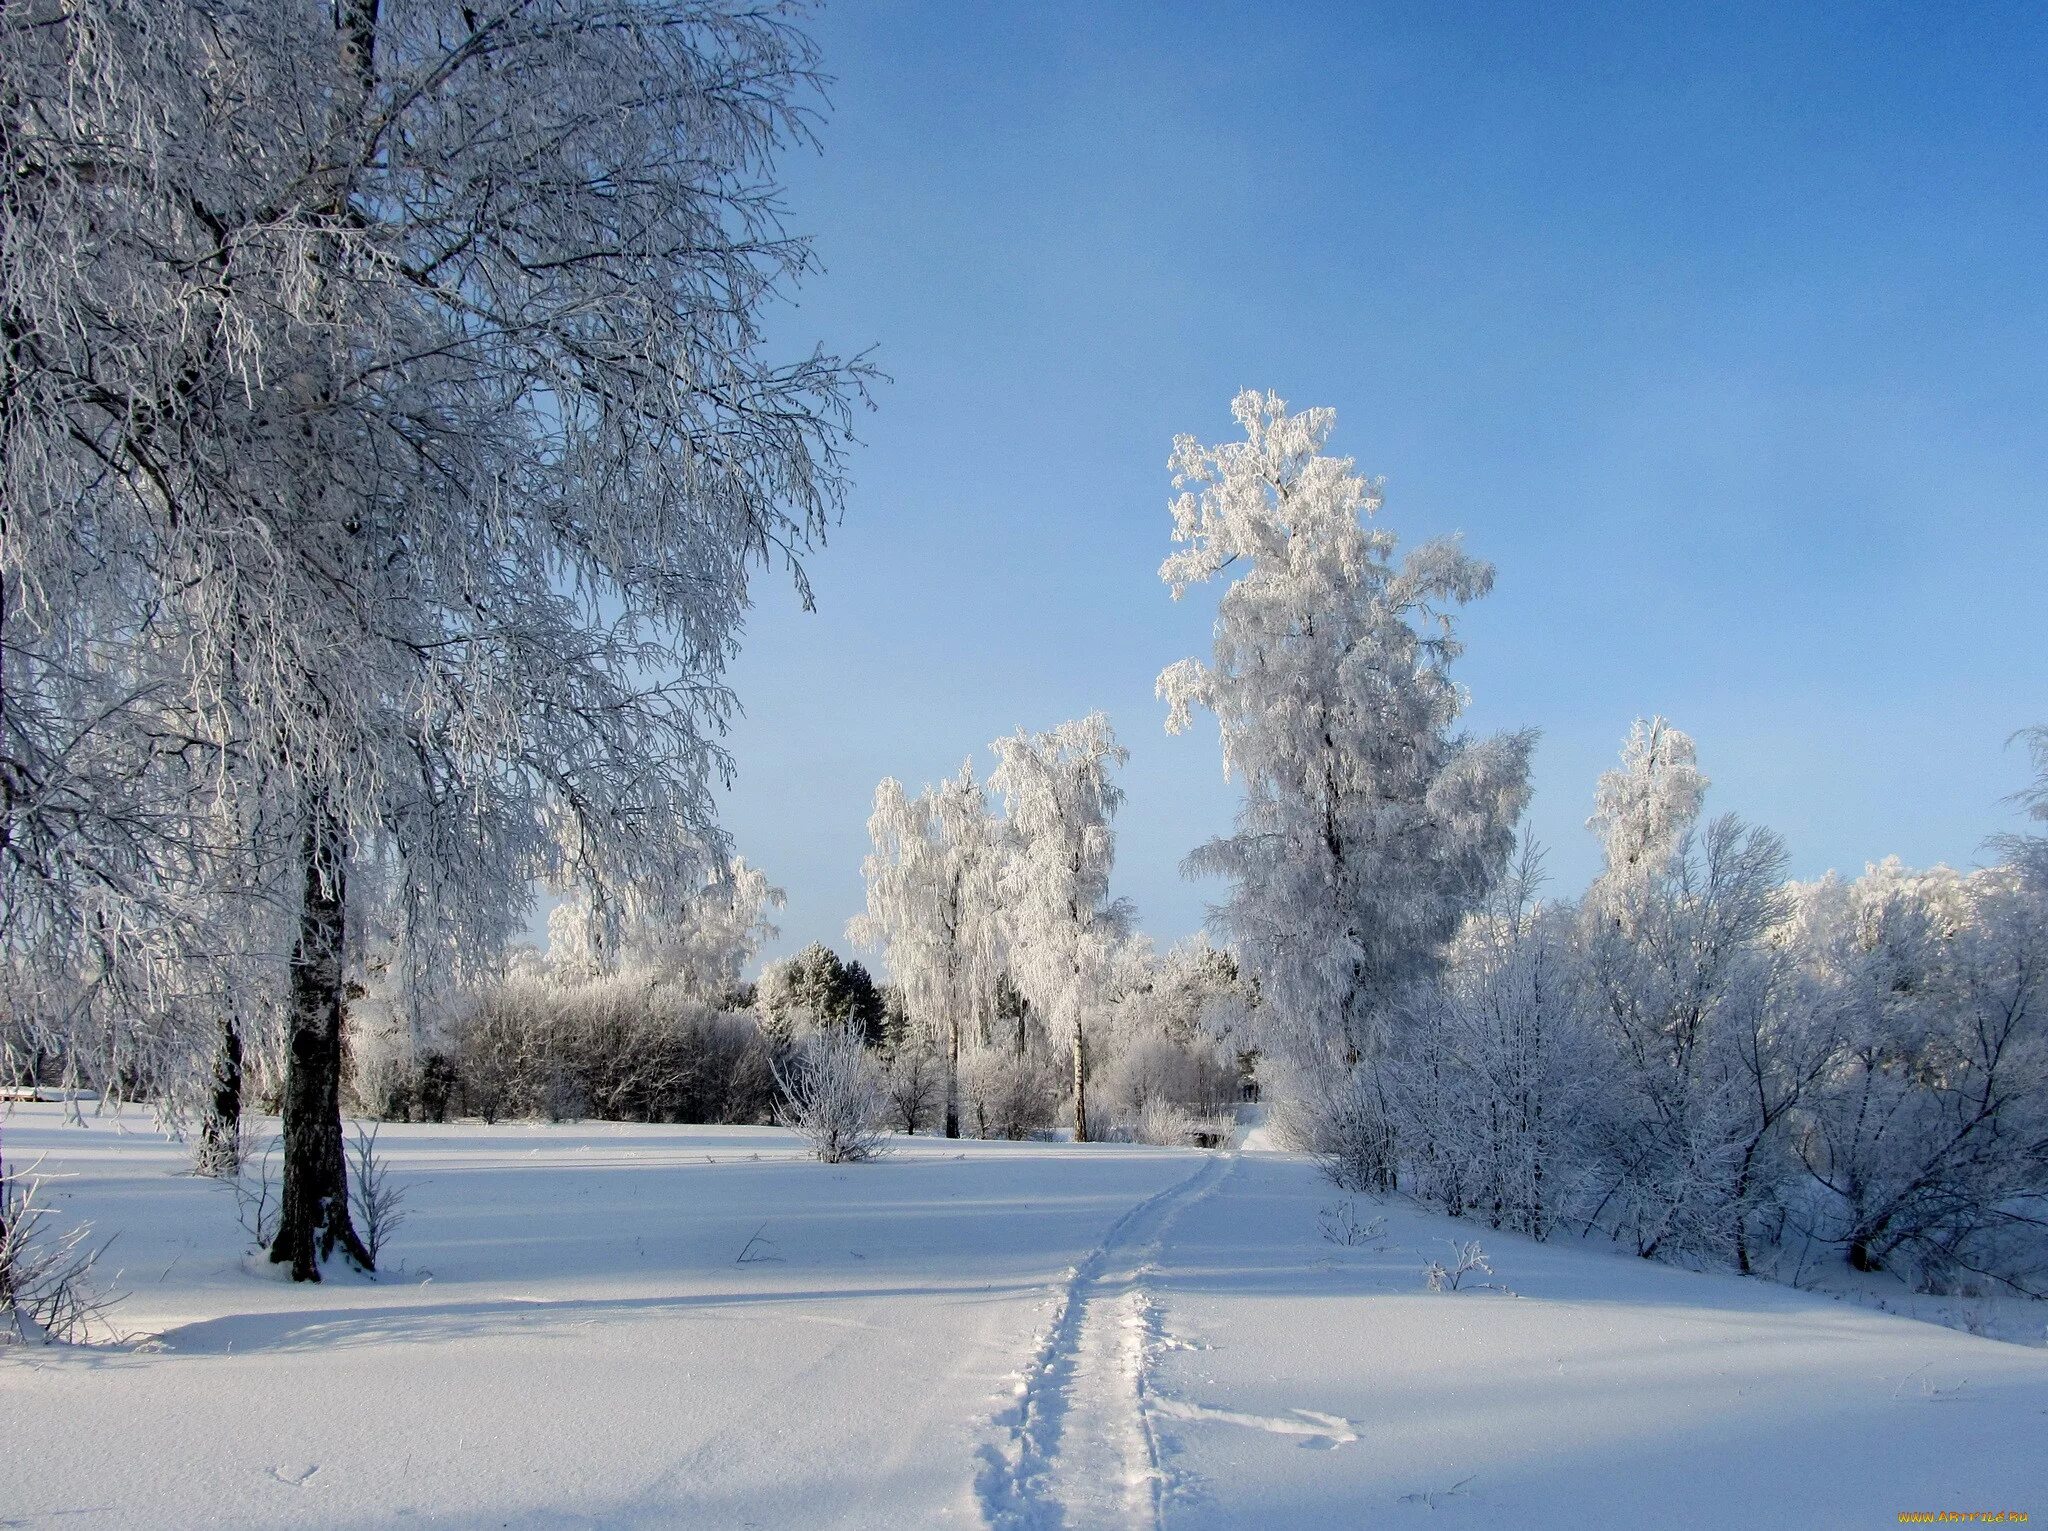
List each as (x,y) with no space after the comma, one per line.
(1369,824)
(932,889)
(1062,925)
(403,357)
(1645,811)
(1685,983)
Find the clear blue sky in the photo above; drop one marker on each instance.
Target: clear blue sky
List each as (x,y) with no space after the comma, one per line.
(1722,331)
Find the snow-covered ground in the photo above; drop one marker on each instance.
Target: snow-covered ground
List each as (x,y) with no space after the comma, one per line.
(627,1326)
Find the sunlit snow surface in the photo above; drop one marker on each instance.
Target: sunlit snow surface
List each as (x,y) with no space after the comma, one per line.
(629,1326)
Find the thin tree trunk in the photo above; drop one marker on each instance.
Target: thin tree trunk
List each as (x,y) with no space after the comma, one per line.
(1080,1082)
(6,1275)
(953,1078)
(1742,1257)
(313,1213)
(220,1136)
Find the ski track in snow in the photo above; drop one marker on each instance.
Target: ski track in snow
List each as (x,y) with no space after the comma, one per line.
(1327,1429)
(1077,1448)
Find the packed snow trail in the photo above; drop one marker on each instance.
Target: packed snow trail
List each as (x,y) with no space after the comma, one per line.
(1077,1448)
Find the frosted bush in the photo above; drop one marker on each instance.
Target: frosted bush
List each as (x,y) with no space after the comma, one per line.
(619,1049)
(1011,1095)
(1467,1258)
(835,1097)
(46,1292)
(1164,1124)
(1341,1121)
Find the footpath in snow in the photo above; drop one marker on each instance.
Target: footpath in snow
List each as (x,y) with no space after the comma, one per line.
(631,1326)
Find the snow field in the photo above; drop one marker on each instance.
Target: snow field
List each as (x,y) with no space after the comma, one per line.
(1581,1388)
(567,1334)
(619,1326)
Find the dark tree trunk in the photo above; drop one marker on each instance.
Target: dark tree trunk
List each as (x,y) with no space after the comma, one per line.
(313,1213)
(6,1284)
(1080,1083)
(953,1079)
(220,1136)
(313,1208)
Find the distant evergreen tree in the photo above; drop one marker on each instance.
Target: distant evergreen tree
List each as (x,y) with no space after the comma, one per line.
(815,989)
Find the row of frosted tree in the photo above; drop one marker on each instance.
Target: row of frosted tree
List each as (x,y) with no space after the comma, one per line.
(1697,1058)
(1705,1062)
(1009,950)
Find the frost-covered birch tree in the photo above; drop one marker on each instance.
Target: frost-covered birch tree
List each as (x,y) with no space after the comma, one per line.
(1370,825)
(1645,811)
(931,905)
(1685,985)
(1061,924)
(698,943)
(404,359)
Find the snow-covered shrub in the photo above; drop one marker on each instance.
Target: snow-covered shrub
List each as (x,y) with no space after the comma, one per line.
(221,1149)
(376,1203)
(256,1193)
(489,1047)
(835,1097)
(1342,1119)
(377,1071)
(563,1096)
(1863,1063)
(406,993)
(1341,1224)
(1358,1149)
(1011,1095)
(1712,1066)
(1926,1138)
(1164,1124)
(1467,1258)
(734,1081)
(46,1289)
(1493,1068)
(424,1092)
(1681,981)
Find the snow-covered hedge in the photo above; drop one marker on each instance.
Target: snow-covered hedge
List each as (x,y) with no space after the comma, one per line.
(618,1049)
